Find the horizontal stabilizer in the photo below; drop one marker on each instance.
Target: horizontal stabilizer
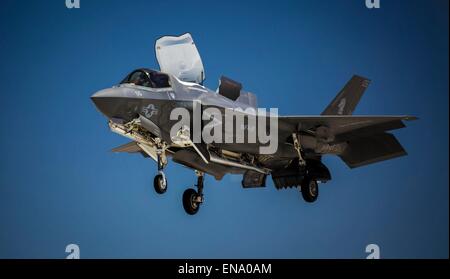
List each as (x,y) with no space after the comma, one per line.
(371,149)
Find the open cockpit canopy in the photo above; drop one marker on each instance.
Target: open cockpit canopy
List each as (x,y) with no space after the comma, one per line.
(179,56)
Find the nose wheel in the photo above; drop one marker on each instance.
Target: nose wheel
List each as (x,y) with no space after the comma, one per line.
(160,181)
(192,199)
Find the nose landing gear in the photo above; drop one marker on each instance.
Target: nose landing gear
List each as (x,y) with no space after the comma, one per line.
(160,181)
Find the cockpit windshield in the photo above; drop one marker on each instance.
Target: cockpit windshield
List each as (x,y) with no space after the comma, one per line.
(148,78)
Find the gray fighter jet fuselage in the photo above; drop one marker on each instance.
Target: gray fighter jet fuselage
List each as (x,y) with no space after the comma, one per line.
(142,108)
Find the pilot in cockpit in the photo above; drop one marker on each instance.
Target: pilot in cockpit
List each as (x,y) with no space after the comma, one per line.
(147,78)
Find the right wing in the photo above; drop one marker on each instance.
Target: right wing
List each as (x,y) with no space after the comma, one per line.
(130,147)
(135,147)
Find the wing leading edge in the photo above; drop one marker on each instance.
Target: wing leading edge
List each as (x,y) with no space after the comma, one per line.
(340,124)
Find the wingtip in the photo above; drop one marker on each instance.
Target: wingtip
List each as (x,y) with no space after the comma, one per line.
(411,118)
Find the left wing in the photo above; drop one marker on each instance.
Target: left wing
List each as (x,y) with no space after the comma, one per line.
(365,136)
(342,124)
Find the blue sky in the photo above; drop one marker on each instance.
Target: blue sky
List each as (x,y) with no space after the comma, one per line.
(60,184)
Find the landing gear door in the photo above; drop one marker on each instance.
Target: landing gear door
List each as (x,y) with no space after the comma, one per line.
(179,56)
(253,179)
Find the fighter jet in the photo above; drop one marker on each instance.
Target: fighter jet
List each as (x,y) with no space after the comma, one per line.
(140,108)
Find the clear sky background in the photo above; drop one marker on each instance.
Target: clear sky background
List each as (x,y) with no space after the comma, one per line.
(60,184)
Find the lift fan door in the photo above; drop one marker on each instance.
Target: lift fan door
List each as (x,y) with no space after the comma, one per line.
(179,56)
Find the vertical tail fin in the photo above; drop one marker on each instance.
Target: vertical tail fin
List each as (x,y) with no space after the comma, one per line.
(345,102)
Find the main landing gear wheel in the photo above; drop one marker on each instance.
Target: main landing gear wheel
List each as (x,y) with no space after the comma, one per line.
(160,184)
(310,189)
(190,201)
(191,198)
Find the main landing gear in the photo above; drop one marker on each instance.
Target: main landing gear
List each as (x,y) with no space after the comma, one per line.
(192,198)
(310,189)
(308,186)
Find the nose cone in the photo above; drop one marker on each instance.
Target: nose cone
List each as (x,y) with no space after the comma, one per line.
(108,101)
